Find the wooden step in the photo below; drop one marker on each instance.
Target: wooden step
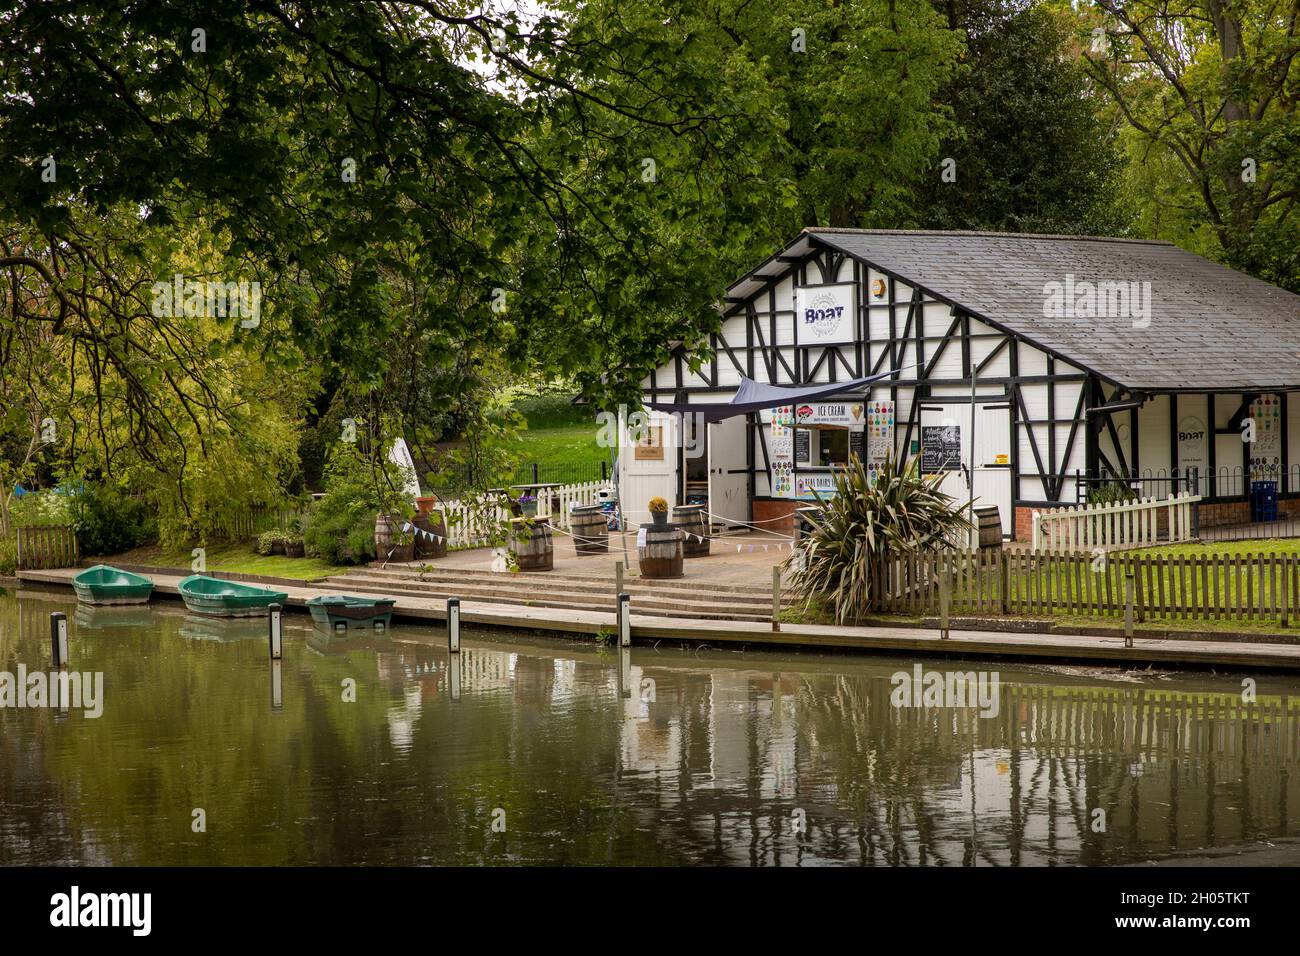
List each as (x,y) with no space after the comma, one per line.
(559,577)
(519,591)
(528,583)
(658,608)
(511,584)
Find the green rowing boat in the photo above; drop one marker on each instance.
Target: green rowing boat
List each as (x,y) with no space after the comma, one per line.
(344,610)
(107,585)
(205,595)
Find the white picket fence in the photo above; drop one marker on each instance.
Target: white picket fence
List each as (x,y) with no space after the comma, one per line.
(1128,524)
(467,527)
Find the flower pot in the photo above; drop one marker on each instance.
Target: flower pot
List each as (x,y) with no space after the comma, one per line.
(660,518)
(277,547)
(529,508)
(295,549)
(426,504)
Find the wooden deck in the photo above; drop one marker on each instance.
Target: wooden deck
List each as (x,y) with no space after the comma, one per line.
(647,629)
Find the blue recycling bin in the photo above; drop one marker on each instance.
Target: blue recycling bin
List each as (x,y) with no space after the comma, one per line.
(1263,501)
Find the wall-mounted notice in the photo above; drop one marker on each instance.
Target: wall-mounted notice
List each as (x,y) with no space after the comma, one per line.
(1266,451)
(1192,445)
(782,452)
(802,446)
(880,436)
(825,314)
(940,448)
(811,484)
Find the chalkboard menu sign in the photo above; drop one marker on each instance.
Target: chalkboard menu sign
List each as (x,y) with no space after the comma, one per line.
(856,445)
(940,448)
(802,445)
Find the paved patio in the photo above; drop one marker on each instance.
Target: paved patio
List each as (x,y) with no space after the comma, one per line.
(745,559)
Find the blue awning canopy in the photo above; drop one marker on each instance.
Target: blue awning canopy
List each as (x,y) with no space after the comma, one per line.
(753,396)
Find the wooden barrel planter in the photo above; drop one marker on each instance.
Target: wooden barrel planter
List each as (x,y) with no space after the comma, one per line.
(989,522)
(534,548)
(590,529)
(690,519)
(387,529)
(431,523)
(660,556)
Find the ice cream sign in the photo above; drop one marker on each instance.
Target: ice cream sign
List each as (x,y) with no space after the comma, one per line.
(829,413)
(825,314)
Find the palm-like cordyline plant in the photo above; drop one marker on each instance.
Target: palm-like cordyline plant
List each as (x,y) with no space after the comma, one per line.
(901,512)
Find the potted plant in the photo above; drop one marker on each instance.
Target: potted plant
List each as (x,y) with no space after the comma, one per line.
(294,546)
(659,511)
(528,505)
(266,542)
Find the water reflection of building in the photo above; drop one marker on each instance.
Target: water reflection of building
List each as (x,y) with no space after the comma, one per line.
(889,785)
(485,669)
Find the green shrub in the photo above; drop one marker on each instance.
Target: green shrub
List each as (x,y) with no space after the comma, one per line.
(266,542)
(41,509)
(900,513)
(341,530)
(340,527)
(109,521)
(1111,493)
(8,557)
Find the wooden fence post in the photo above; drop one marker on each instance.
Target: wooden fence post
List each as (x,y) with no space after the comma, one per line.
(776,597)
(1128,607)
(1004,580)
(1286,588)
(944,597)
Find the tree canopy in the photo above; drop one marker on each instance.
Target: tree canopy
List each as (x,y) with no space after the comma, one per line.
(423,200)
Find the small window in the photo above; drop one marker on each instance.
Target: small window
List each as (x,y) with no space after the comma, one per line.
(833,446)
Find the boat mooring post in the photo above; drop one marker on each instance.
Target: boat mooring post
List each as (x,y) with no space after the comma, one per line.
(453,625)
(277,686)
(776,597)
(59,638)
(624,619)
(453,678)
(618,577)
(625,673)
(1128,608)
(275,630)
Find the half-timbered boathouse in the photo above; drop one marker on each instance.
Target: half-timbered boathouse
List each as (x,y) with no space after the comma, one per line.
(1071,362)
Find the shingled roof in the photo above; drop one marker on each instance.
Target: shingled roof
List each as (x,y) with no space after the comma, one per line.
(1211,328)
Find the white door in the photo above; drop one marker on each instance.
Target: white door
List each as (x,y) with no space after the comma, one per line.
(938,419)
(647,468)
(729,471)
(992,478)
(993,459)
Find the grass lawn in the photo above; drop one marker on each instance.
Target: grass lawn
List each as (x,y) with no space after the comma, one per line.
(1239,586)
(559,435)
(235,559)
(561,446)
(1277,546)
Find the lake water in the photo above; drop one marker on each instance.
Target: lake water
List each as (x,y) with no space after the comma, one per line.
(554,751)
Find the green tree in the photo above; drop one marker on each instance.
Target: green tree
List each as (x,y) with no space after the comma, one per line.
(1208,89)
(1034,149)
